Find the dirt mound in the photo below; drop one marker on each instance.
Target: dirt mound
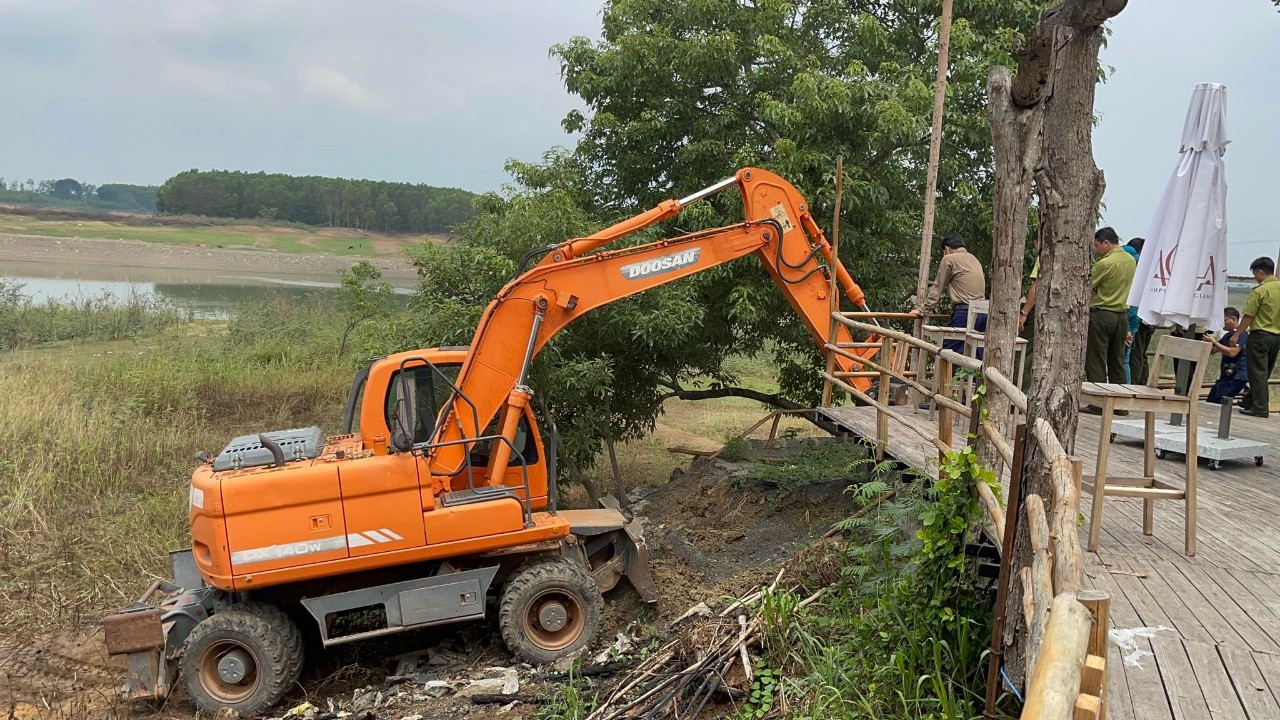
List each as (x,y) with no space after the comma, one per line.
(726,524)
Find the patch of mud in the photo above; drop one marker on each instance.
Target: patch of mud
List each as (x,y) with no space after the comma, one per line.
(66,675)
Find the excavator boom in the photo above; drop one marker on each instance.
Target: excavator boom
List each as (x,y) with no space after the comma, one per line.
(570,281)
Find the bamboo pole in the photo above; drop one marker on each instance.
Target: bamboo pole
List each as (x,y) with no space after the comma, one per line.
(931,172)
(877,369)
(832,293)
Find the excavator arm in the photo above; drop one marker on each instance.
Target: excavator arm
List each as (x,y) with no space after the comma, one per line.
(569,281)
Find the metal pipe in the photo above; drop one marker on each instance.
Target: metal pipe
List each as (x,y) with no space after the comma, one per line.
(708,191)
(538,316)
(553,468)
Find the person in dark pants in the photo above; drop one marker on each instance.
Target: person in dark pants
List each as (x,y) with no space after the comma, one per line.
(1262,322)
(1135,355)
(1109,334)
(961,276)
(1234,374)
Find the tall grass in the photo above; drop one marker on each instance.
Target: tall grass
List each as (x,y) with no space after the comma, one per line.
(105,316)
(97,443)
(902,628)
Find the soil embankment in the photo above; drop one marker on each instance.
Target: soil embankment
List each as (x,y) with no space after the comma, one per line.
(130,253)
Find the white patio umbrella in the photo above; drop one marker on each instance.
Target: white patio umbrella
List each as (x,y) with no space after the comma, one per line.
(1182,272)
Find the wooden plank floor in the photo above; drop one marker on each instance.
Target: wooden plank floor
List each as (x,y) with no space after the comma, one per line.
(1210,640)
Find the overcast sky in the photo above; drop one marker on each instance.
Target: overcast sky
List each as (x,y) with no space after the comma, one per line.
(444,91)
(1160,50)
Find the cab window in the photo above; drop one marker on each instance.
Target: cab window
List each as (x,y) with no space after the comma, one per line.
(428,393)
(524,442)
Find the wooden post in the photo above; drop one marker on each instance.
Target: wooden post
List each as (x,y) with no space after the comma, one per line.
(882,419)
(935,151)
(942,386)
(931,172)
(833,290)
(996,657)
(1099,605)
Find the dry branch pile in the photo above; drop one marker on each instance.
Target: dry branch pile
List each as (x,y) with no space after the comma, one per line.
(708,657)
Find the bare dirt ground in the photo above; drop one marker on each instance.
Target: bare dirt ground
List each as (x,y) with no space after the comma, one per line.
(129,253)
(715,530)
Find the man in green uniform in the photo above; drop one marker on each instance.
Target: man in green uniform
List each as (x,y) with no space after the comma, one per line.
(1108,310)
(1262,322)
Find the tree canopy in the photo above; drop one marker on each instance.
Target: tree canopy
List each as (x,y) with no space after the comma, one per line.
(679,94)
(72,193)
(337,202)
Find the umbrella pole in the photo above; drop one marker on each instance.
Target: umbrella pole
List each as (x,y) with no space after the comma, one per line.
(1182,377)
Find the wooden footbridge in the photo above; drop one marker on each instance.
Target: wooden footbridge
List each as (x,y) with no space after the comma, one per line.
(1191,636)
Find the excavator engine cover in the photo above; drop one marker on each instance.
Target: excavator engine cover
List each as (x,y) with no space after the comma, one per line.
(248,451)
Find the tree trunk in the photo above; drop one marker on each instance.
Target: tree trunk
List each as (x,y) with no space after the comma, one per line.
(1016,137)
(619,487)
(1057,74)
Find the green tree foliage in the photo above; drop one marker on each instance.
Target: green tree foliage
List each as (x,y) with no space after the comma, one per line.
(680,94)
(362,297)
(72,193)
(608,371)
(336,202)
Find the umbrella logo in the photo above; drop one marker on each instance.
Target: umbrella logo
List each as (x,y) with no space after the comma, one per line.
(1207,277)
(1164,266)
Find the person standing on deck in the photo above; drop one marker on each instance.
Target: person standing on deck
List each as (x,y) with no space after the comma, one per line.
(961,276)
(1262,322)
(1234,374)
(1111,277)
(1135,353)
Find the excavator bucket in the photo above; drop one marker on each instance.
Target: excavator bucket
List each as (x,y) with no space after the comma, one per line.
(612,547)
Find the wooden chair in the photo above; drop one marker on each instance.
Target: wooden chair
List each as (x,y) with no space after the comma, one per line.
(975,340)
(937,334)
(1149,400)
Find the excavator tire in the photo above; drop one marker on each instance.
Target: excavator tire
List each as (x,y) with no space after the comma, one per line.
(550,609)
(245,658)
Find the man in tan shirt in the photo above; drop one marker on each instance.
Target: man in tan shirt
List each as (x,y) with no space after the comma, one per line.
(961,275)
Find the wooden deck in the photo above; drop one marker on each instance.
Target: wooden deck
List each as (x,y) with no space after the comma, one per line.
(1214,650)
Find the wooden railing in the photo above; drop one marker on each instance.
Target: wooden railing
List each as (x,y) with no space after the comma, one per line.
(1066,625)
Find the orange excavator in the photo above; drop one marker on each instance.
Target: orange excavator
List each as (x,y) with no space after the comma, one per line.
(439,498)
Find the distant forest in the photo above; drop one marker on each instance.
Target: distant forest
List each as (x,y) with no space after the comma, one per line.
(337,202)
(73,194)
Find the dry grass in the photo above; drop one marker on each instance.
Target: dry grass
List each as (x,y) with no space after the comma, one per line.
(96,448)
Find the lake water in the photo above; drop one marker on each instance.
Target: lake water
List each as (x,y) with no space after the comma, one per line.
(206,294)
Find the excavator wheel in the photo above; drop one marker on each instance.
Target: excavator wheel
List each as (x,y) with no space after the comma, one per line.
(245,658)
(550,609)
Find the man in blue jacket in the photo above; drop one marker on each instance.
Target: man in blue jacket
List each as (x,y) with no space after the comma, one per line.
(1234,374)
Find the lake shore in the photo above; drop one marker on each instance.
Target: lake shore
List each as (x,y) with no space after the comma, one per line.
(132,253)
